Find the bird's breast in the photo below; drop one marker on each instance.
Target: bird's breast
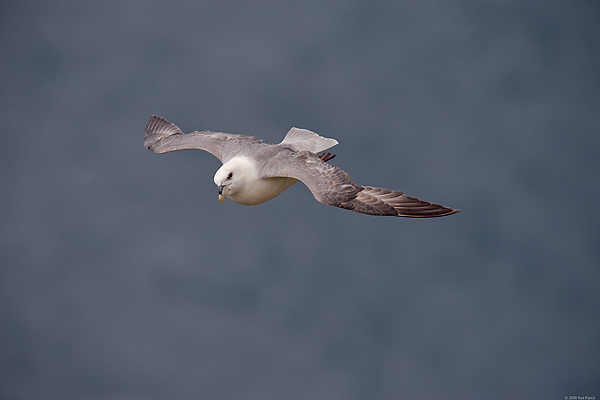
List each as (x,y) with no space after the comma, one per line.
(262,190)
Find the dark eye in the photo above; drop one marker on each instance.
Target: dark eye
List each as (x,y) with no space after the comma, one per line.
(230,175)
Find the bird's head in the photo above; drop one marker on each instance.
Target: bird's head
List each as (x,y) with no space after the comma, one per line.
(225,180)
(231,178)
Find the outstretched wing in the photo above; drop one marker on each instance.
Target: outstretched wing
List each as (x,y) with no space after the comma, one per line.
(330,185)
(163,136)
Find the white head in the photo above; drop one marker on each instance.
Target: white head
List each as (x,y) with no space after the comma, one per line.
(240,180)
(232,177)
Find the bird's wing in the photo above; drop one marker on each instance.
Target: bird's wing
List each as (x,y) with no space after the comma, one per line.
(330,185)
(163,136)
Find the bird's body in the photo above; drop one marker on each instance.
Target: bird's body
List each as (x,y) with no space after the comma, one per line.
(249,188)
(254,171)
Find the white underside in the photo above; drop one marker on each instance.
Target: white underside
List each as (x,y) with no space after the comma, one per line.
(261,190)
(244,185)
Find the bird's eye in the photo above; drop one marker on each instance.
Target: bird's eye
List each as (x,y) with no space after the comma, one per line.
(230,175)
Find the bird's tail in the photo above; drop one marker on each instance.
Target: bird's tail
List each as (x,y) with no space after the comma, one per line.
(303,139)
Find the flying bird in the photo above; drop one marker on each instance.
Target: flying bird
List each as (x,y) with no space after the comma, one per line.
(254,171)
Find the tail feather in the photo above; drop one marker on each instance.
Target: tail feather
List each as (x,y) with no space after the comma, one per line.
(305,140)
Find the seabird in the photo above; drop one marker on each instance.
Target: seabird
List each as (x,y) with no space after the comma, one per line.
(254,171)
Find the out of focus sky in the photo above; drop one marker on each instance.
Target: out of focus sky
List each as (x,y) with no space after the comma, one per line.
(122,277)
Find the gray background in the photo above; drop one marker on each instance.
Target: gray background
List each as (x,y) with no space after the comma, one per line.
(122,277)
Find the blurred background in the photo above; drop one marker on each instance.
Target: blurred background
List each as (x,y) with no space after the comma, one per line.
(123,278)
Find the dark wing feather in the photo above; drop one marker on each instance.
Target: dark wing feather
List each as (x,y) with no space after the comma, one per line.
(330,185)
(163,136)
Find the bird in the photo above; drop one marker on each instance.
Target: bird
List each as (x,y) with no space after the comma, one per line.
(255,171)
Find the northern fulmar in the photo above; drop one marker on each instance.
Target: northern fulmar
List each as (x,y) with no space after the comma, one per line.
(255,171)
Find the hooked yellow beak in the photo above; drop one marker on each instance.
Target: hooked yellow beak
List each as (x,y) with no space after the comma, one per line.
(223,192)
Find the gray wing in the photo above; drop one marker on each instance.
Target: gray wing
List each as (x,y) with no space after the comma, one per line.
(163,136)
(330,185)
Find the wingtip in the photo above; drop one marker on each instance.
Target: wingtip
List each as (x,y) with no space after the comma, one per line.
(451,212)
(433,214)
(157,129)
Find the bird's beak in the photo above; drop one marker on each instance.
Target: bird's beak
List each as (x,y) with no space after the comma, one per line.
(223,192)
